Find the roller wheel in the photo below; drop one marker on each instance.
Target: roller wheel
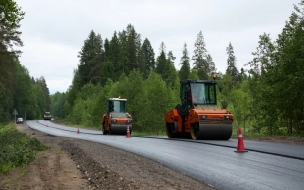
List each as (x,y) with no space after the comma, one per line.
(103,130)
(169,130)
(109,132)
(194,132)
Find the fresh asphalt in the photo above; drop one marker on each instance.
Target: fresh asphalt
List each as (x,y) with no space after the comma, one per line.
(264,166)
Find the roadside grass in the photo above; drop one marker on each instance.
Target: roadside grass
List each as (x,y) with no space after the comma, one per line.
(17,149)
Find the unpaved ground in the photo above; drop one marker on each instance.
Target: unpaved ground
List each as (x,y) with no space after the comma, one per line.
(76,164)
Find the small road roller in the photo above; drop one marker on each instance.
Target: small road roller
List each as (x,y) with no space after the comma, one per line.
(116,120)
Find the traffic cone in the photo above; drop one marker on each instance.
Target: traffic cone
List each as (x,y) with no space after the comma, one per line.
(128,133)
(78,131)
(240,146)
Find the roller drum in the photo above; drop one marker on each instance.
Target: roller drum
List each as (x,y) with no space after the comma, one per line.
(215,131)
(120,129)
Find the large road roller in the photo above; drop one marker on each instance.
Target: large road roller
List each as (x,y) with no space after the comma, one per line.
(198,116)
(116,120)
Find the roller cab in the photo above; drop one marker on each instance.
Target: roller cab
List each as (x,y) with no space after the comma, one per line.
(198,116)
(116,120)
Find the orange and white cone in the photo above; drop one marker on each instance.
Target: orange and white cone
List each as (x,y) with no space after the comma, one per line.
(240,146)
(128,132)
(78,131)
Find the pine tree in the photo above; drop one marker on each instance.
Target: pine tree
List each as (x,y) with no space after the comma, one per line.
(162,65)
(24,100)
(148,60)
(172,72)
(41,81)
(91,59)
(107,52)
(199,57)
(107,72)
(185,62)
(133,48)
(10,18)
(171,57)
(231,64)
(211,65)
(123,63)
(114,55)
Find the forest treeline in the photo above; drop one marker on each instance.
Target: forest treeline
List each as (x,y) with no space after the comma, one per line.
(18,90)
(267,99)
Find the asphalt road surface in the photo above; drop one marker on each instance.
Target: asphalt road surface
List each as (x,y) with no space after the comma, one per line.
(265,166)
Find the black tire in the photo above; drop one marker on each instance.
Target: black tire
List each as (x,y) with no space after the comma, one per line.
(169,132)
(194,132)
(104,132)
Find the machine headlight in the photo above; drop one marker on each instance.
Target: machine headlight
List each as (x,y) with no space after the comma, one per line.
(226,117)
(114,121)
(129,121)
(203,117)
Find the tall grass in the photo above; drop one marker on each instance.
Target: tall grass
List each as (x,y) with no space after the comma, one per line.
(16,148)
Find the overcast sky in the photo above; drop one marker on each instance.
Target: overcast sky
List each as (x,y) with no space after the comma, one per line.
(53,31)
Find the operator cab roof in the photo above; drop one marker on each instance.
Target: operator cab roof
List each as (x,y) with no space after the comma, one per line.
(197,81)
(117,99)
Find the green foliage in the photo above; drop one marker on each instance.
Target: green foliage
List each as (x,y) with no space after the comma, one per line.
(17,149)
(58,102)
(8,85)
(40,101)
(193,75)
(24,100)
(42,83)
(10,18)
(276,72)
(83,110)
(11,15)
(154,103)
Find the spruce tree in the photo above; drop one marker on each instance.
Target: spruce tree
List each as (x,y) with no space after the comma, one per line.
(41,81)
(199,57)
(114,55)
(91,59)
(107,52)
(231,64)
(162,66)
(211,65)
(148,60)
(185,62)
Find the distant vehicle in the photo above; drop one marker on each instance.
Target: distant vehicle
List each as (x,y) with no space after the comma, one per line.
(47,116)
(20,120)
